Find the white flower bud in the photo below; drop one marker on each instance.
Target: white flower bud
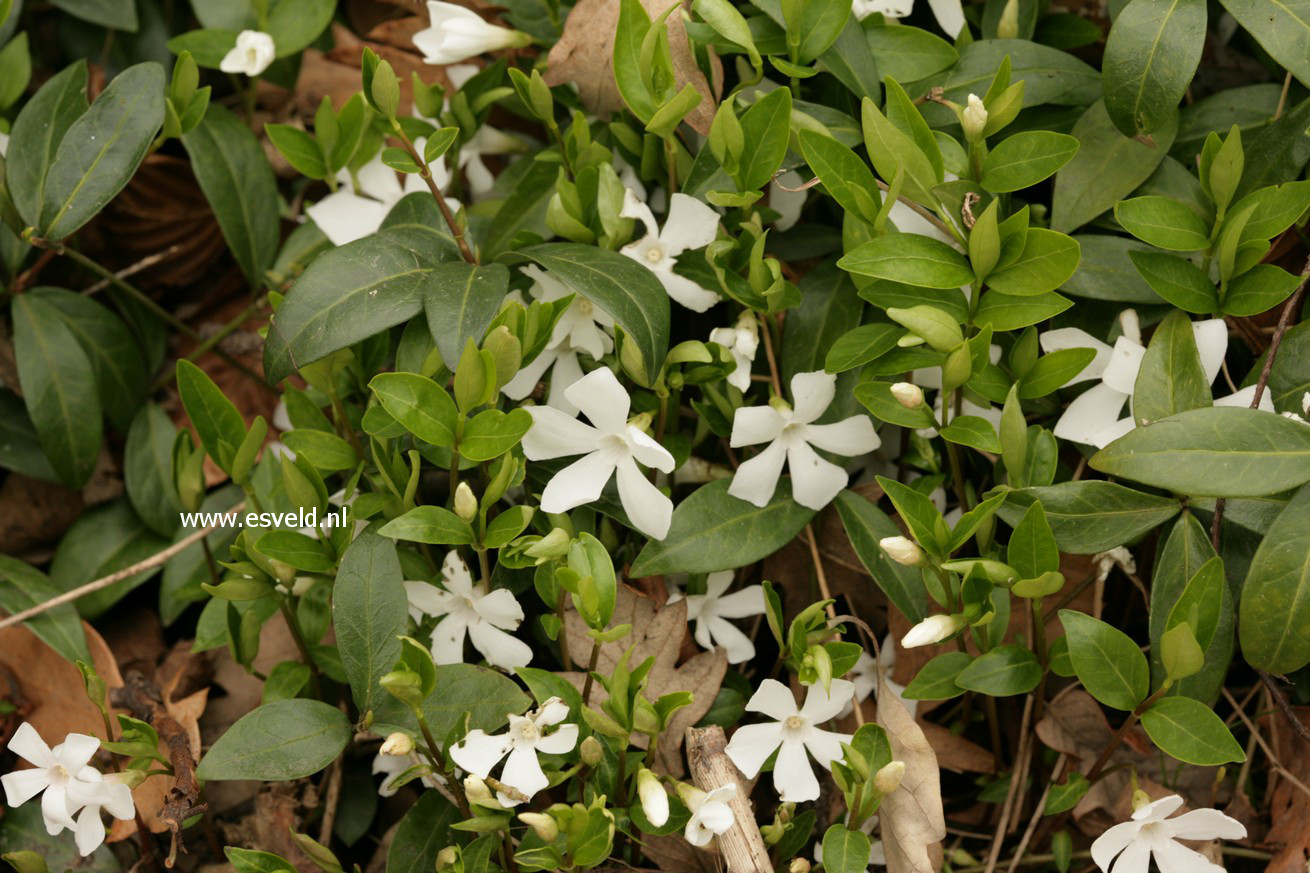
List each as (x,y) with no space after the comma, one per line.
(447,858)
(654,799)
(544,826)
(591,751)
(902,550)
(398,744)
(302,585)
(931,630)
(466,505)
(888,779)
(477,792)
(909,396)
(799,865)
(974,119)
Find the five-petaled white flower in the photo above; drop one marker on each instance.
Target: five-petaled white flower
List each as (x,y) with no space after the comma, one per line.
(610,448)
(949,13)
(712,610)
(742,341)
(526,736)
(1093,418)
(689,225)
(710,813)
(69,783)
(795,731)
(252,54)
(792,436)
(456,34)
(1151,832)
(584,327)
(465,608)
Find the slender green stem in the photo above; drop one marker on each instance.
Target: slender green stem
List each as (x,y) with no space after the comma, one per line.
(294,626)
(565,661)
(591,668)
(439,761)
(425,173)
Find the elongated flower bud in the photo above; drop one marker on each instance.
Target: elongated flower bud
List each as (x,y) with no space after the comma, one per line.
(654,799)
(466,505)
(888,779)
(591,751)
(544,826)
(902,550)
(974,119)
(932,629)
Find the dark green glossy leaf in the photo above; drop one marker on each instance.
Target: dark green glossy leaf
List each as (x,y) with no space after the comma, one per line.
(1276,597)
(1150,57)
(460,301)
(1087,517)
(22,586)
(1107,661)
(369,613)
(289,739)
(865,525)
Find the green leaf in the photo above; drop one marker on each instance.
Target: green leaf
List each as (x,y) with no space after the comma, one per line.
(1106,272)
(214,417)
(1065,795)
(1052,371)
(369,613)
(289,739)
(1282,28)
(102,541)
(865,525)
(845,850)
(766,126)
(1087,517)
(1107,168)
(620,286)
(37,133)
(148,470)
(1047,261)
(484,694)
(1289,380)
(238,182)
(911,259)
(253,861)
(1032,550)
(1276,597)
(421,405)
(299,148)
(460,301)
(917,512)
(1024,159)
(844,174)
(891,150)
(20,447)
(1150,58)
(712,530)
(1163,222)
(59,389)
(112,14)
(973,431)
(102,149)
(15,66)
(1171,378)
(434,525)
(1010,312)
(491,433)
(936,679)
(1214,452)
(422,834)
(1106,660)
(908,54)
(22,586)
(1258,290)
(1190,731)
(328,452)
(299,550)
(1177,280)
(1002,672)
(1049,75)
(294,24)
(861,345)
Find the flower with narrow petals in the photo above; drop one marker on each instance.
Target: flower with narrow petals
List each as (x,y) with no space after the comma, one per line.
(690,225)
(949,13)
(742,341)
(584,328)
(792,436)
(251,55)
(1152,833)
(525,738)
(610,448)
(710,813)
(456,34)
(711,611)
(932,630)
(462,608)
(793,732)
(68,784)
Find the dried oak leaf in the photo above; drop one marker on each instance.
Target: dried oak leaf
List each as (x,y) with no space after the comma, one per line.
(655,633)
(584,55)
(912,820)
(1289,809)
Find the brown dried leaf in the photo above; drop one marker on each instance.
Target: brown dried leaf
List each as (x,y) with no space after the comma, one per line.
(1289,808)
(655,633)
(911,817)
(585,55)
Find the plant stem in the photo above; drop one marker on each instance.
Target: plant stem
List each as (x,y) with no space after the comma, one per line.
(591,668)
(426,175)
(564,655)
(1039,649)
(294,626)
(671,158)
(440,761)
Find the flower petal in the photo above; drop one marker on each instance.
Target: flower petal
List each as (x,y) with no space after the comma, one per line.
(648,451)
(788,204)
(1089,413)
(478,752)
(902,215)
(1242,398)
(1073,338)
(455,574)
(525,380)
(715,815)
(499,648)
(26,743)
(602,399)
(821,705)
(1136,858)
(1112,842)
(555,435)
(1212,344)
(634,208)
(757,479)
(500,609)
(90,831)
(686,292)
(949,15)
(553,711)
(741,604)
(1171,857)
(850,437)
(739,647)
(448,640)
(811,395)
(523,771)
(564,376)
(426,599)
(752,425)
(344,216)
(54,809)
(1207,824)
(793,777)
(578,483)
(752,745)
(648,509)
(774,699)
(560,742)
(690,224)
(76,750)
(1125,362)
(825,746)
(22,785)
(717,583)
(814,481)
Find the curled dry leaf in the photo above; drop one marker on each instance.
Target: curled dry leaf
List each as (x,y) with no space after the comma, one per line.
(911,817)
(657,633)
(585,55)
(1289,808)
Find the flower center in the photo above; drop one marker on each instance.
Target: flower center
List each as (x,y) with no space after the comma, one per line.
(530,731)
(58,774)
(794,723)
(655,254)
(584,306)
(614,447)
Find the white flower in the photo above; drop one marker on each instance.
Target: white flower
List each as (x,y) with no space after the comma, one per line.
(792,437)
(67,783)
(710,813)
(457,34)
(357,208)
(465,608)
(689,225)
(251,55)
(654,799)
(392,766)
(864,676)
(949,13)
(902,550)
(932,630)
(1093,418)
(712,610)
(610,448)
(743,342)
(584,327)
(795,731)
(1151,833)
(522,741)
